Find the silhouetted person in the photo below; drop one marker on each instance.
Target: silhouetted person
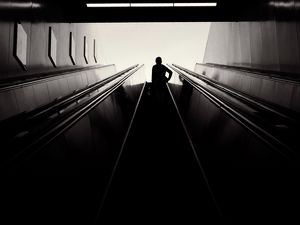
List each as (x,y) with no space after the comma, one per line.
(159,80)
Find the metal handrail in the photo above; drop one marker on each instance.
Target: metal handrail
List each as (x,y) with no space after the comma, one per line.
(54,106)
(19,122)
(267,137)
(30,79)
(34,141)
(285,114)
(270,74)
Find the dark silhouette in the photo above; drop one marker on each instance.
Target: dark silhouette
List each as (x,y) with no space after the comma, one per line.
(159,80)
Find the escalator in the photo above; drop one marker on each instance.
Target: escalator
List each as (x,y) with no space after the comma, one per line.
(209,161)
(56,160)
(111,153)
(158,178)
(250,163)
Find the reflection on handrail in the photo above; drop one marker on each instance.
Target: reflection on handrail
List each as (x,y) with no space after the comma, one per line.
(256,128)
(30,79)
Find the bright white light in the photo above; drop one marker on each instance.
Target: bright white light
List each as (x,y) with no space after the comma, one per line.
(146,41)
(151,4)
(106,5)
(101,5)
(210,4)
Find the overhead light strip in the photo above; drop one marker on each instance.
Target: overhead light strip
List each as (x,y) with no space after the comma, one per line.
(209,4)
(152,4)
(108,5)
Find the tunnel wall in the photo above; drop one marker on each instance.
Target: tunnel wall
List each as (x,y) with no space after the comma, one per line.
(268,45)
(30,96)
(37,47)
(268,50)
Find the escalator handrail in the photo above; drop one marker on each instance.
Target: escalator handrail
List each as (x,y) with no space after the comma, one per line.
(39,139)
(250,125)
(35,78)
(286,114)
(44,111)
(269,74)
(203,173)
(66,100)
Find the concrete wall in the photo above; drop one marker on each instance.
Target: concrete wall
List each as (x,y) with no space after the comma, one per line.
(269,45)
(272,45)
(37,47)
(28,97)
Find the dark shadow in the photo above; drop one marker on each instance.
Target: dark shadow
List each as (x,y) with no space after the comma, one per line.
(185,96)
(126,104)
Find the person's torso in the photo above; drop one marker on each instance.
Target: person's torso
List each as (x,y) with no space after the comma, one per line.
(158,74)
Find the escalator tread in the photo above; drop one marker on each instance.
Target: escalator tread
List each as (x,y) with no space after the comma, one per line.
(157,178)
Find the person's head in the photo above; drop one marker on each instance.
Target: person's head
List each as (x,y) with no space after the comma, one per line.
(158,60)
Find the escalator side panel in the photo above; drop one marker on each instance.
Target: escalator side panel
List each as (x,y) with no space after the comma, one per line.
(77,166)
(252,182)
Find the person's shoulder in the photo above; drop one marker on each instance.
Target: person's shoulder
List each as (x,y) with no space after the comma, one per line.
(164,66)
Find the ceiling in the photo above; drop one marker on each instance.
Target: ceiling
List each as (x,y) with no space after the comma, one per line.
(76,11)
